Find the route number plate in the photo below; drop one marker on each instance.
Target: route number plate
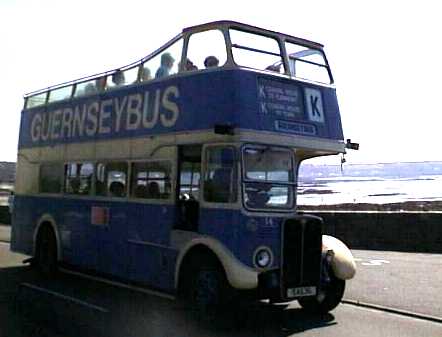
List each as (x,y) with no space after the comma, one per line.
(301,291)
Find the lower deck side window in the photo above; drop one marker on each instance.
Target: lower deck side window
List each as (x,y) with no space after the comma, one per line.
(50,178)
(111,179)
(78,178)
(151,180)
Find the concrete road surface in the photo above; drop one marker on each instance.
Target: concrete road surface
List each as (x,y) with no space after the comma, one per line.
(71,306)
(406,281)
(5,233)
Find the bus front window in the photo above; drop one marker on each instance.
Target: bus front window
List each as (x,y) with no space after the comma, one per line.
(307,63)
(268,178)
(206,50)
(255,51)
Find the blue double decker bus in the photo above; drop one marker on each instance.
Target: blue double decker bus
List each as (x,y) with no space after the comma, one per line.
(178,172)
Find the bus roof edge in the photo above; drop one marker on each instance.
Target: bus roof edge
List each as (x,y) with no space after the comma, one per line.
(237,24)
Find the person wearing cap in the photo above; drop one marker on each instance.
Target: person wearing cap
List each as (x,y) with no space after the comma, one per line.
(166,65)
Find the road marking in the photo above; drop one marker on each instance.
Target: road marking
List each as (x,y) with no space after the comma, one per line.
(64,297)
(375,263)
(392,310)
(118,284)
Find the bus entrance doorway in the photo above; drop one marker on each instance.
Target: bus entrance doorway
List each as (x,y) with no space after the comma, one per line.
(188,187)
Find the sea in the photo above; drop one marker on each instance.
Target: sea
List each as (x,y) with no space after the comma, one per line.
(373,190)
(379,183)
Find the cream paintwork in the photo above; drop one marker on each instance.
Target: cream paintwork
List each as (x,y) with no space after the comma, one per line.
(343,263)
(48,219)
(239,275)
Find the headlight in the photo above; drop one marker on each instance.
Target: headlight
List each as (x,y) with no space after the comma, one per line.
(263,257)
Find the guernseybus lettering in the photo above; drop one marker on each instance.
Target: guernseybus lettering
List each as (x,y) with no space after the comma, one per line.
(108,116)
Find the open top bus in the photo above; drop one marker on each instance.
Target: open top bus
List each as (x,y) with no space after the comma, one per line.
(179,171)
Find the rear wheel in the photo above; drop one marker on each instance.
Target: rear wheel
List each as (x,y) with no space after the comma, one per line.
(328,298)
(46,251)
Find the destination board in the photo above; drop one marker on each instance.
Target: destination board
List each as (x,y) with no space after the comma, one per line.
(280,99)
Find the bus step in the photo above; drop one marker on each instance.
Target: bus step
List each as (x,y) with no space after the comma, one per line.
(59,313)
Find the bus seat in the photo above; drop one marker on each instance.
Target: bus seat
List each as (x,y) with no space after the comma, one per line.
(116,189)
(154,190)
(141,191)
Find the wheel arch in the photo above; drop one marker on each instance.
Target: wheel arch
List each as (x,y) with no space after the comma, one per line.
(239,275)
(47,220)
(343,263)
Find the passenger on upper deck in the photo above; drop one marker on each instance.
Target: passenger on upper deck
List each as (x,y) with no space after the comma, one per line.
(211,62)
(118,78)
(166,65)
(145,74)
(92,88)
(189,66)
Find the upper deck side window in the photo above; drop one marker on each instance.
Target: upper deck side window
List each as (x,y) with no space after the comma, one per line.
(307,63)
(91,87)
(60,94)
(205,50)
(36,100)
(256,51)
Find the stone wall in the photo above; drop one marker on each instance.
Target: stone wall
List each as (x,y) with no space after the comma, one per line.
(402,231)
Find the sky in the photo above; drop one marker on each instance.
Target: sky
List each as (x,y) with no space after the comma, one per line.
(385,58)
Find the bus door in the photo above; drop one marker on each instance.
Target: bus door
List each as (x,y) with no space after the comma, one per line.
(219,199)
(151,218)
(188,187)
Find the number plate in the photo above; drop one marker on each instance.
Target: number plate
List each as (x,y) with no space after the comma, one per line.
(301,291)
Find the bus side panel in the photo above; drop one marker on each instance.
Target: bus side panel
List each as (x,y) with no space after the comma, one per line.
(241,234)
(27,212)
(79,238)
(151,260)
(104,248)
(22,226)
(258,231)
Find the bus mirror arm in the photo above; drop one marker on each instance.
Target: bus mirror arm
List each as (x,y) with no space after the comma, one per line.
(352,146)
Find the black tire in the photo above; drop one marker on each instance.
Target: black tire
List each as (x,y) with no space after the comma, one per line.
(206,289)
(207,293)
(327,299)
(46,251)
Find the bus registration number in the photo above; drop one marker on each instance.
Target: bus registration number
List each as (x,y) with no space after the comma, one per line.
(301,291)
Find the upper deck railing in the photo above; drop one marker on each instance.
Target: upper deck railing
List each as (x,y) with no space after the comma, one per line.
(215,45)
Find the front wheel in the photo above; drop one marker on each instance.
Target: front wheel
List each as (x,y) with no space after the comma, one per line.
(207,293)
(328,297)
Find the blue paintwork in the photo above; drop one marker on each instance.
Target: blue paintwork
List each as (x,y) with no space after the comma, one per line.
(106,248)
(203,100)
(242,234)
(244,99)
